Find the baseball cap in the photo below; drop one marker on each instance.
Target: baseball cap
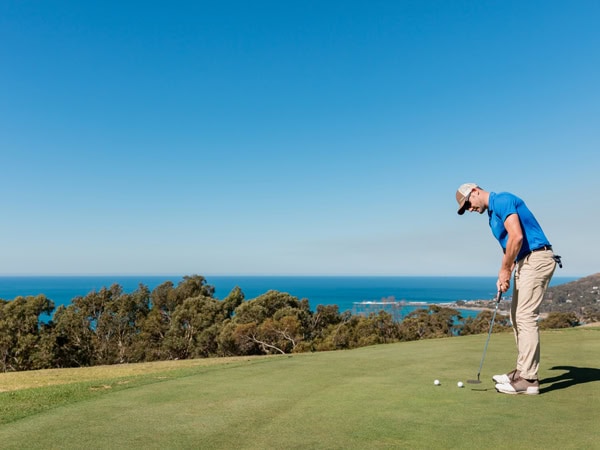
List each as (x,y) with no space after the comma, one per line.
(462,195)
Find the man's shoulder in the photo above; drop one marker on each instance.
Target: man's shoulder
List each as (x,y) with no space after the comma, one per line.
(503,202)
(503,197)
(504,194)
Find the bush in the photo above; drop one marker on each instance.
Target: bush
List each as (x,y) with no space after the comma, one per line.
(559,320)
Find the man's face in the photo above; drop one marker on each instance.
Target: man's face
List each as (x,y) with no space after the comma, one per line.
(475,202)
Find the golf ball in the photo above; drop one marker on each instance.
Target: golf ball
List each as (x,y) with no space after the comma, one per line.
(460,384)
(436,382)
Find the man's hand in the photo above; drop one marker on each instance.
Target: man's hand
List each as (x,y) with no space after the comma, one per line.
(503,283)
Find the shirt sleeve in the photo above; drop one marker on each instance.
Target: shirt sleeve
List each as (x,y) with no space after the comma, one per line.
(505,205)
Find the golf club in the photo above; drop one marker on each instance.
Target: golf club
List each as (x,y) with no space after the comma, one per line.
(478,381)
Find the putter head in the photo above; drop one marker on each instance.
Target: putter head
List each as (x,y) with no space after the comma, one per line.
(477,381)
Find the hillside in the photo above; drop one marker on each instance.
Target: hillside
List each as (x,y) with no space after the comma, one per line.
(581,297)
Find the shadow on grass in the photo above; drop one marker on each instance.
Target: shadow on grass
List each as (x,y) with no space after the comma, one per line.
(572,376)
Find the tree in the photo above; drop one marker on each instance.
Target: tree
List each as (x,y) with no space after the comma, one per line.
(114,319)
(165,299)
(194,286)
(120,325)
(318,327)
(20,332)
(433,322)
(70,338)
(358,331)
(481,323)
(280,335)
(195,326)
(267,305)
(335,336)
(234,299)
(274,322)
(559,320)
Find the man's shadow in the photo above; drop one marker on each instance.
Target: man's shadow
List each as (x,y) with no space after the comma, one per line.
(572,376)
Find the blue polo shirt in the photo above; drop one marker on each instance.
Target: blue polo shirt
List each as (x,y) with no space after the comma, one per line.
(502,205)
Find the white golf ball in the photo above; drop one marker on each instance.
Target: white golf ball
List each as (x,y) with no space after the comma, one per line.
(460,384)
(436,382)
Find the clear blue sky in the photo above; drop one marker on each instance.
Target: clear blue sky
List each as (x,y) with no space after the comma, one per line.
(293,137)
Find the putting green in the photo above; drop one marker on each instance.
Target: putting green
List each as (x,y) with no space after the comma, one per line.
(374,397)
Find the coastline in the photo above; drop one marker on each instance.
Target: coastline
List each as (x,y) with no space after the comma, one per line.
(477,305)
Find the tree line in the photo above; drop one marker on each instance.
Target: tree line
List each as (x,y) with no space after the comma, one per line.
(185,321)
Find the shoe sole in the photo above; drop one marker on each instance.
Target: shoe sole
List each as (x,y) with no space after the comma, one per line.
(527,392)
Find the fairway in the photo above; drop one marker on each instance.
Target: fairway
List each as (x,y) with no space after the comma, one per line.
(374,397)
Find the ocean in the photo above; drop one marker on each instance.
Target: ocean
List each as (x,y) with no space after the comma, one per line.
(344,291)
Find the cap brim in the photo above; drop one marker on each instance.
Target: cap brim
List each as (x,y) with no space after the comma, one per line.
(462,209)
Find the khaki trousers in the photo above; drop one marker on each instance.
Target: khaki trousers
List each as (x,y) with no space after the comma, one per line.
(532,276)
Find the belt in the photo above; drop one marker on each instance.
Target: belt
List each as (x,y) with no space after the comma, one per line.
(543,248)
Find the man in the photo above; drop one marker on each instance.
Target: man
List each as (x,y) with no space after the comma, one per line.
(528,252)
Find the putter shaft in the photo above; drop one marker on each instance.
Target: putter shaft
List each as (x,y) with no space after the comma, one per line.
(498,297)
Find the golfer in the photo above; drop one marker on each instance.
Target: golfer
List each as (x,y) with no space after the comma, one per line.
(528,252)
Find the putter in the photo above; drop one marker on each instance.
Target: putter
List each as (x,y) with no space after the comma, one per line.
(478,381)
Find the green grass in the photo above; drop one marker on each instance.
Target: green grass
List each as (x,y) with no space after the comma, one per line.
(21,395)
(375,397)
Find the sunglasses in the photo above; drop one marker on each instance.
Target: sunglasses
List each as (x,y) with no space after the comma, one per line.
(467,205)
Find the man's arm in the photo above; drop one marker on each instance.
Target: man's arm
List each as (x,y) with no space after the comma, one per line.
(513,246)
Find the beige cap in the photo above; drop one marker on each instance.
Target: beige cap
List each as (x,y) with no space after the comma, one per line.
(462,195)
